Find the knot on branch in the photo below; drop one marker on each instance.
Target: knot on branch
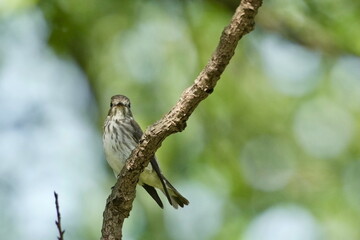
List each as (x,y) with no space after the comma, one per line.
(205,88)
(179,126)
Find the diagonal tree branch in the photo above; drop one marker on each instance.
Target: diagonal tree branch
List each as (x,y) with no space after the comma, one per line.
(119,203)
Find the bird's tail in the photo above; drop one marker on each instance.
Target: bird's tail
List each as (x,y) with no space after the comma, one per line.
(176,199)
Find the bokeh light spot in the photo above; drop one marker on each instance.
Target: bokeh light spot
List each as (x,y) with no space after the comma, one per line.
(322,128)
(345,78)
(199,220)
(284,222)
(292,69)
(144,51)
(267,163)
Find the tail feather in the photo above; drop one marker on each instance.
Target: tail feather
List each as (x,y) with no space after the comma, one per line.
(161,177)
(176,198)
(151,190)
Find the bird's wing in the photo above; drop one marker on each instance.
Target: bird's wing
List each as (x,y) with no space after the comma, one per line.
(137,133)
(137,136)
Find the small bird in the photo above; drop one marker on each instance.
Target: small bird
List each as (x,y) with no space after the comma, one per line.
(121,135)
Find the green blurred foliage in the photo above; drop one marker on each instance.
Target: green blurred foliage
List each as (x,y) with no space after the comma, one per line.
(152,50)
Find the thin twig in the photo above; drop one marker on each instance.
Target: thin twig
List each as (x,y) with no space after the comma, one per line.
(58,222)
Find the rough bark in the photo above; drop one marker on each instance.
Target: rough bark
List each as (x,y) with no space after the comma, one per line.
(119,203)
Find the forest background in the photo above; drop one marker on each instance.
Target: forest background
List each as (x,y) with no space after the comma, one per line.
(273,153)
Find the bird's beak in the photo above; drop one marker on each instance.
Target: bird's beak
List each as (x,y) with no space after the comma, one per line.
(120,106)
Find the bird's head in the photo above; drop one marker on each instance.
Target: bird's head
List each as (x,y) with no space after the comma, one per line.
(120,106)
